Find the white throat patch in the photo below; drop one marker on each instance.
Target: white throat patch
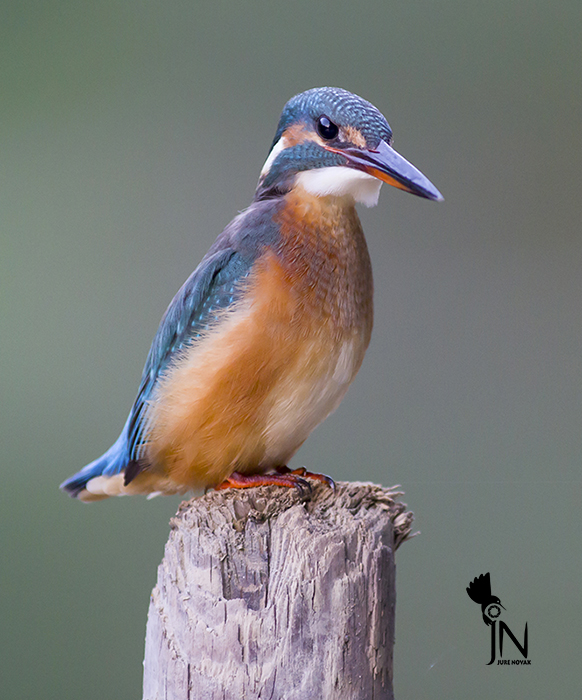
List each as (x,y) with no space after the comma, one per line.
(341,181)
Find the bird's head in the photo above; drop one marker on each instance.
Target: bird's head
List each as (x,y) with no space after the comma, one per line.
(333,143)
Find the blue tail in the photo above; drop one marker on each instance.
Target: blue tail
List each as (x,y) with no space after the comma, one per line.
(114,461)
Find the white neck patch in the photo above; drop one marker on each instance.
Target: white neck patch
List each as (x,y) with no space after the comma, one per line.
(340,181)
(277,148)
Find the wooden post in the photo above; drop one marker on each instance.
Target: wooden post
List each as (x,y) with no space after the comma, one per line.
(263,594)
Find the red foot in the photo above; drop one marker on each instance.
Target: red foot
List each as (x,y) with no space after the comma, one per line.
(243,481)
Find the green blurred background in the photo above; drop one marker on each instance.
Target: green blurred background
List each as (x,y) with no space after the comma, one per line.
(131,133)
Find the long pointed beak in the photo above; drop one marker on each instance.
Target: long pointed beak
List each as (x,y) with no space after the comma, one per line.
(389,166)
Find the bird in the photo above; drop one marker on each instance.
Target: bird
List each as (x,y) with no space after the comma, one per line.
(479,591)
(262,341)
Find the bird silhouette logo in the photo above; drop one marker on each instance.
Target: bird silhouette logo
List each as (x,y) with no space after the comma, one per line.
(479,591)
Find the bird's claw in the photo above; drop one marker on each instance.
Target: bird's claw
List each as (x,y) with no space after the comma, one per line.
(302,472)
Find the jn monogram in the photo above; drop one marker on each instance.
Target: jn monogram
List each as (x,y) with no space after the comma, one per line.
(479,591)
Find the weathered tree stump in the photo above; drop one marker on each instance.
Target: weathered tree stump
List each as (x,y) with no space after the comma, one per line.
(262,594)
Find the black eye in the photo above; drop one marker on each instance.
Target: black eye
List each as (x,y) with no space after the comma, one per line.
(327,130)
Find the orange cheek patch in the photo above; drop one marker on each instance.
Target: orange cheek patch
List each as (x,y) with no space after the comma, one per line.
(353,135)
(296,134)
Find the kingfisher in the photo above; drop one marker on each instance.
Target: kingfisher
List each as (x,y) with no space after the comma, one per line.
(262,341)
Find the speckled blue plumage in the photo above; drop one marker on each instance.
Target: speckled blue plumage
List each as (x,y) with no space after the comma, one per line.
(342,107)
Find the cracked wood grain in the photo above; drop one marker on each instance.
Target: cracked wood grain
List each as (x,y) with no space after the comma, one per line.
(263,595)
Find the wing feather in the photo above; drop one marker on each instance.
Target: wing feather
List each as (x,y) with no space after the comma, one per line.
(213,286)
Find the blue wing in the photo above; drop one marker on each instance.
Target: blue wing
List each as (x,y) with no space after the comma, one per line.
(213,286)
